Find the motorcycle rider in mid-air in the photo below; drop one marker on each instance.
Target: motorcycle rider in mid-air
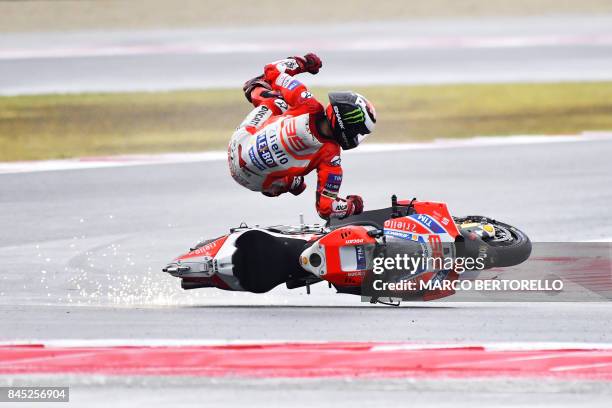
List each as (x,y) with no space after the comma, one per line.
(289,134)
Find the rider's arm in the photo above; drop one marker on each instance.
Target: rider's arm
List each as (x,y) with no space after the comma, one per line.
(329,179)
(280,75)
(296,65)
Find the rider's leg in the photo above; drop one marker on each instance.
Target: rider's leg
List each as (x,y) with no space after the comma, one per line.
(272,100)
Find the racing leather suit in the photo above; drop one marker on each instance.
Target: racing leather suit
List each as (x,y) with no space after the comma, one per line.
(278,143)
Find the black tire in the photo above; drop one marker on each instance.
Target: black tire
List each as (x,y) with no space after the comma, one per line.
(509,247)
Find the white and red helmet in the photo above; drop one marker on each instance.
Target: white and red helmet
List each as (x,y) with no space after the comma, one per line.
(351,116)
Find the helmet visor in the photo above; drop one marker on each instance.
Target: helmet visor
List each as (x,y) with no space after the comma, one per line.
(362,138)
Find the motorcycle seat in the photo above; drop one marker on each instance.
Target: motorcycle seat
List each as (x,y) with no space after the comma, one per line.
(376,218)
(263,261)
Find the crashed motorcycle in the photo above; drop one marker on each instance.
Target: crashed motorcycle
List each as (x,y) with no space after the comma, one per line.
(344,252)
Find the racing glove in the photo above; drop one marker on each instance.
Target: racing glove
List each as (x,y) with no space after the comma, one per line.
(308,63)
(297,186)
(354,205)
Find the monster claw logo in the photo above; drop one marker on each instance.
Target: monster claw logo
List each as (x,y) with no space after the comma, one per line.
(354,116)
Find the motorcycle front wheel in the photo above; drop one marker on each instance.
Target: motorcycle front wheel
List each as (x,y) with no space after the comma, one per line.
(508,247)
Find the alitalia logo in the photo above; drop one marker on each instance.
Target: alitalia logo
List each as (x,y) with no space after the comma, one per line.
(354,116)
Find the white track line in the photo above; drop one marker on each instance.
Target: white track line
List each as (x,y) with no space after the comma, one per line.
(173,158)
(580,367)
(376,346)
(455,42)
(110,161)
(144,342)
(603,239)
(503,346)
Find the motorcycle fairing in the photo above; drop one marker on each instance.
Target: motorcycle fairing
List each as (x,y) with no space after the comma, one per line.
(377,218)
(206,266)
(208,249)
(343,256)
(438,212)
(199,262)
(248,259)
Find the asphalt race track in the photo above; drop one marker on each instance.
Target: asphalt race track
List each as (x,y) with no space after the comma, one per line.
(82,250)
(100,236)
(415,52)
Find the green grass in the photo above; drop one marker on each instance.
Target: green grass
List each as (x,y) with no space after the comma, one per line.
(61,126)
